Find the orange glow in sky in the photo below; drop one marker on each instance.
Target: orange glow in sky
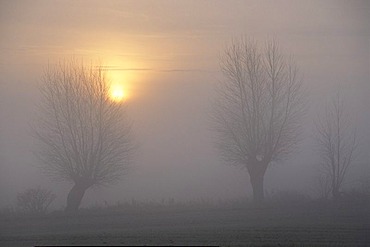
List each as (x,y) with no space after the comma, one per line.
(123,77)
(116,93)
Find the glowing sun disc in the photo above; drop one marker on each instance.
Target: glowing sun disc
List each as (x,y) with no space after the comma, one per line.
(117,94)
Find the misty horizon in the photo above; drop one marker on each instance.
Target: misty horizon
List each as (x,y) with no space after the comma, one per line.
(167,84)
(164,59)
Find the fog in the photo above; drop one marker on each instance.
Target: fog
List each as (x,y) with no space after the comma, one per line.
(167,54)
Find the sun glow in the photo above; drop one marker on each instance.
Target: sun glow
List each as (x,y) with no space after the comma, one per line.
(117,90)
(123,78)
(117,94)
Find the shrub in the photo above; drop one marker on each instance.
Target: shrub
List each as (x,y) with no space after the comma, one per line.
(35,200)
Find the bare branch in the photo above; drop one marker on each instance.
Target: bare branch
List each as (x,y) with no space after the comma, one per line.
(260,103)
(82,133)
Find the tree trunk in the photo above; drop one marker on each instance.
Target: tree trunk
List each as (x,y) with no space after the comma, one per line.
(256,174)
(257,186)
(75,195)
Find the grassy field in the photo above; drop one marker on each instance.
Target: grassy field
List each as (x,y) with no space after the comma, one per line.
(300,224)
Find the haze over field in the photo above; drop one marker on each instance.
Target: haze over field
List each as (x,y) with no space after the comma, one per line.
(165,56)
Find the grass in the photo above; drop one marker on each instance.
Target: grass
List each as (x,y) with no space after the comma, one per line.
(281,221)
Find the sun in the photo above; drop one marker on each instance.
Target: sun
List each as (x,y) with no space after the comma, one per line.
(117,94)
(120,83)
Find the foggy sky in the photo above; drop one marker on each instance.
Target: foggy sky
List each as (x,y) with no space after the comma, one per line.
(166,53)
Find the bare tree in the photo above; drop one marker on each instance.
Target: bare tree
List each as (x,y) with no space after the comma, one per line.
(85,136)
(35,200)
(337,143)
(258,110)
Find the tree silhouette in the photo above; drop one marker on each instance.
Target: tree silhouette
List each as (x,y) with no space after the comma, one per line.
(259,106)
(85,137)
(337,143)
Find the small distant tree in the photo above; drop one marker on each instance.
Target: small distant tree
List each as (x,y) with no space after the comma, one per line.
(337,142)
(35,200)
(260,103)
(84,134)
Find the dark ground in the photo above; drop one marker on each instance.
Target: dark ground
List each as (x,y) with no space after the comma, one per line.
(303,224)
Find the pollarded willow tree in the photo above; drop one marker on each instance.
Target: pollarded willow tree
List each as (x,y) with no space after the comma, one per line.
(85,136)
(260,103)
